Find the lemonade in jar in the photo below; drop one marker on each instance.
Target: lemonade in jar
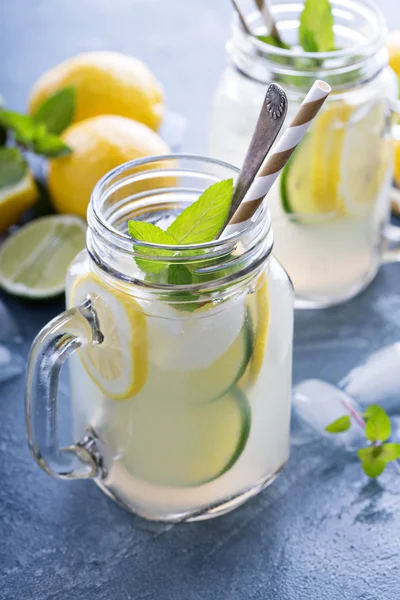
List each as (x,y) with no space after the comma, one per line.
(330,206)
(180,354)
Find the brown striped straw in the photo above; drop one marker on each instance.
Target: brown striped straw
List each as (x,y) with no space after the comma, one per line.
(277,159)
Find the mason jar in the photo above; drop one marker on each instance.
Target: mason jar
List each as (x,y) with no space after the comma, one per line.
(330,206)
(180,391)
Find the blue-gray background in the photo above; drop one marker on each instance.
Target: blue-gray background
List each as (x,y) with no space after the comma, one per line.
(322,532)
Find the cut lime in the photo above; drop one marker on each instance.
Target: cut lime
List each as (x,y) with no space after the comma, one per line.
(179,443)
(34,259)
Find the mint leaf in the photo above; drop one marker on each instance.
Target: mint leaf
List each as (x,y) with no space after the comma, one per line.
(50,145)
(203,220)
(390,452)
(377,424)
(24,127)
(316,26)
(179,275)
(57,111)
(33,135)
(12,167)
(371,461)
(273,41)
(340,425)
(147,232)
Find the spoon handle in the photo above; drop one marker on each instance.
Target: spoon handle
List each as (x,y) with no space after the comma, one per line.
(270,121)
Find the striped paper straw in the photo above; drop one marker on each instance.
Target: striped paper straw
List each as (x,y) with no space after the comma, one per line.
(280,155)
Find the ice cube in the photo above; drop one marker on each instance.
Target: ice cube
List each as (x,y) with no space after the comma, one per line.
(377,380)
(317,403)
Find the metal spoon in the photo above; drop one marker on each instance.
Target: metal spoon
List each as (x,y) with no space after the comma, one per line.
(272,115)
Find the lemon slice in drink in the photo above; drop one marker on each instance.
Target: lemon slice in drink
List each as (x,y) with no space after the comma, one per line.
(341,164)
(174,443)
(311,179)
(118,365)
(365,159)
(260,316)
(34,259)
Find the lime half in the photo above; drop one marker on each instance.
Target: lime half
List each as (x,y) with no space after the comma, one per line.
(34,259)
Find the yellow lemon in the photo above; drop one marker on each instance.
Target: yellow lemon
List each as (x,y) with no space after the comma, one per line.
(98,145)
(106,83)
(393,46)
(15,199)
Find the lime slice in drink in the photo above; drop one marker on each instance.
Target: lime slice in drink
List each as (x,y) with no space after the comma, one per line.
(118,365)
(180,444)
(34,259)
(205,385)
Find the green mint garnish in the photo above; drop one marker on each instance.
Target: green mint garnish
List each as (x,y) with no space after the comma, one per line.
(199,223)
(315,31)
(147,232)
(203,220)
(12,167)
(340,425)
(273,41)
(57,111)
(40,132)
(316,27)
(377,426)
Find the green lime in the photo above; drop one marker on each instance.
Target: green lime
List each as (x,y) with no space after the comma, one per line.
(34,259)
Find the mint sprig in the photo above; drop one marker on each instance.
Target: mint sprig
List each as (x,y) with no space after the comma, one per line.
(38,134)
(57,111)
(316,26)
(33,135)
(376,424)
(316,33)
(199,223)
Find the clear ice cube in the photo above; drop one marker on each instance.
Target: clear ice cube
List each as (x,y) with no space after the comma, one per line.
(377,380)
(317,403)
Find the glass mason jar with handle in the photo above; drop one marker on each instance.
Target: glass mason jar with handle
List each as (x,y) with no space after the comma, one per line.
(330,207)
(180,392)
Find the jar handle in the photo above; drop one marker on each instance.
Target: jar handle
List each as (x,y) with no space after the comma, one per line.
(65,334)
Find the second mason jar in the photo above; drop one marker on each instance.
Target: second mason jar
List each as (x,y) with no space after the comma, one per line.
(330,206)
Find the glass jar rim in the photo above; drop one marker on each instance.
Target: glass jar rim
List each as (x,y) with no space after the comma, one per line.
(360,57)
(119,239)
(371,44)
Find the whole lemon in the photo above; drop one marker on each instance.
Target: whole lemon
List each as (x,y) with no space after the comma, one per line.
(106,83)
(98,145)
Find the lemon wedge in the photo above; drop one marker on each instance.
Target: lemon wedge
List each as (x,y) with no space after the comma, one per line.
(365,159)
(119,365)
(15,200)
(260,316)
